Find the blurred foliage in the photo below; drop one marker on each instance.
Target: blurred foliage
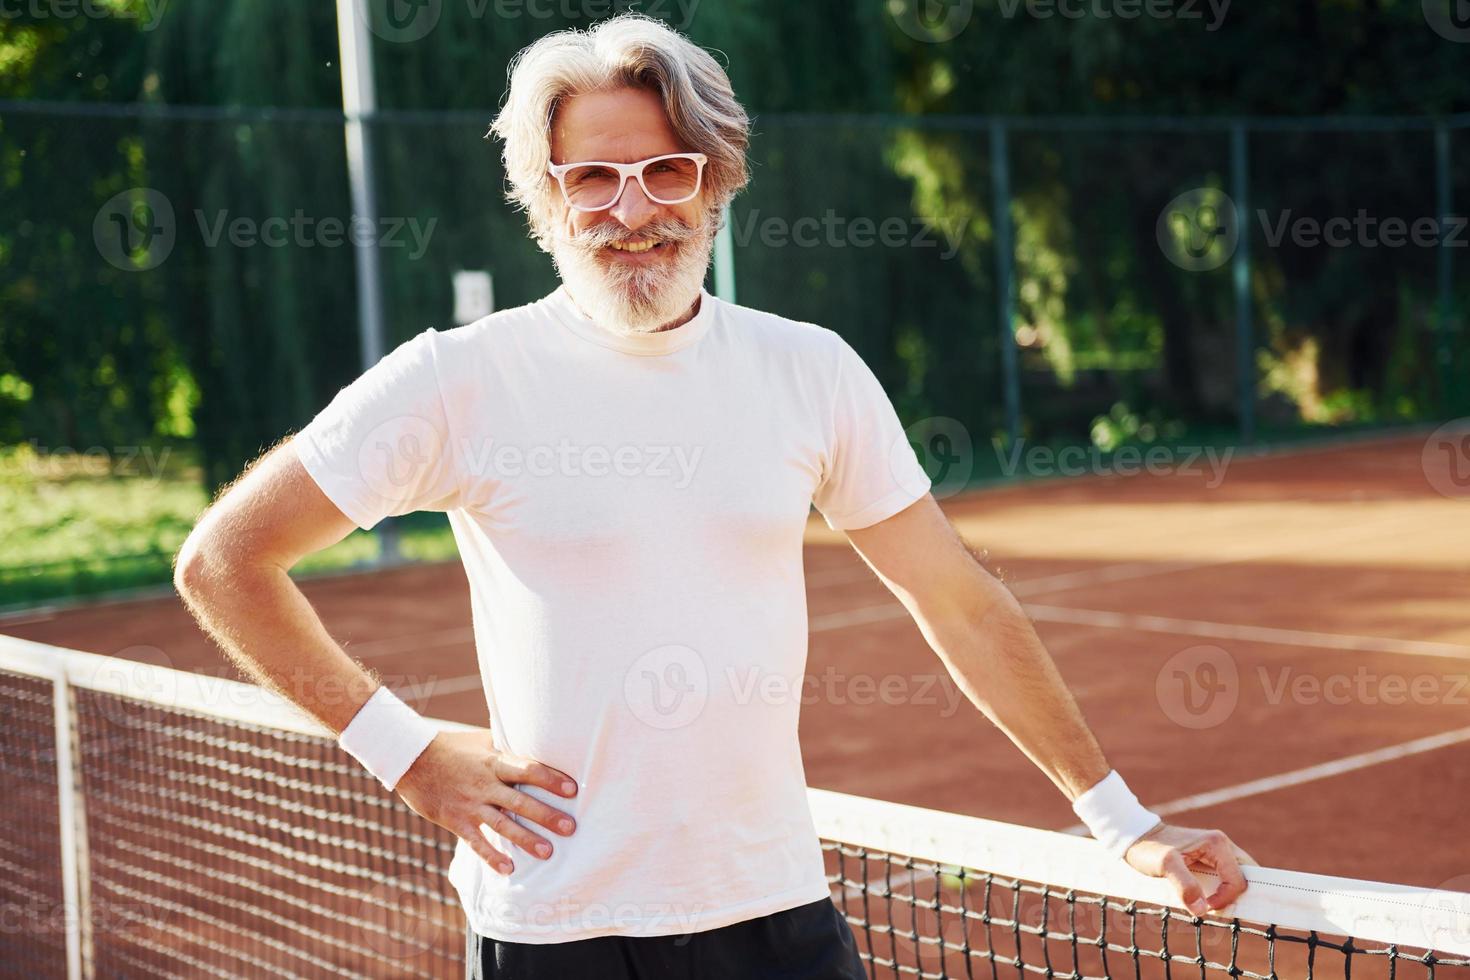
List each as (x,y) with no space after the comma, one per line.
(85,523)
(858,118)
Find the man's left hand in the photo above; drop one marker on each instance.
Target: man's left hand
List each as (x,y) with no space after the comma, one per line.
(1176,853)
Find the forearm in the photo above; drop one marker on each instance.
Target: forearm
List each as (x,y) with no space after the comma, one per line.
(266,626)
(993,653)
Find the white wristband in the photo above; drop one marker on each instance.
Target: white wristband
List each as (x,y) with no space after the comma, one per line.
(386,736)
(1114,815)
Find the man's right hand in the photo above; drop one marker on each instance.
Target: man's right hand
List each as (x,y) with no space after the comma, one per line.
(461,781)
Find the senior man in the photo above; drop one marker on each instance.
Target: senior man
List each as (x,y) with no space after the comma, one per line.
(628,465)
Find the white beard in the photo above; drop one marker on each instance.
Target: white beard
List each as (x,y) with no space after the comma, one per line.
(632,300)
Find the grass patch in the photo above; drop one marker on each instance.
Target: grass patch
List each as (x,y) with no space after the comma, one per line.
(80,525)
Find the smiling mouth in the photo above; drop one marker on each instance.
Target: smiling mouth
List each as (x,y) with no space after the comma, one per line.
(638,248)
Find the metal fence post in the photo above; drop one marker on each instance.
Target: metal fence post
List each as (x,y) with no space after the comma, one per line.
(725,259)
(359,103)
(1241,273)
(1444,321)
(1005,277)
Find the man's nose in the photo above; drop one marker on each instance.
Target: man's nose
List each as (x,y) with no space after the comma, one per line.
(634,209)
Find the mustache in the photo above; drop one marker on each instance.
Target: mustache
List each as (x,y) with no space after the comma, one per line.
(670,230)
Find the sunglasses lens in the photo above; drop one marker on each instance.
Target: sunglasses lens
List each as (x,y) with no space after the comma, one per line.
(672,180)
(591,187)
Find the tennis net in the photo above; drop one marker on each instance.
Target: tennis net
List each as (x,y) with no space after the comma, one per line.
(163,823)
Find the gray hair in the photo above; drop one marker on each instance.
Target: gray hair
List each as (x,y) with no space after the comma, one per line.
(627,51)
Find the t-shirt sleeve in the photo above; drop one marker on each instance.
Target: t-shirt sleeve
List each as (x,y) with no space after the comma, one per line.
(381,447)
(870,471)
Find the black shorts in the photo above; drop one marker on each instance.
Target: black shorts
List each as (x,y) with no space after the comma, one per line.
(810,942)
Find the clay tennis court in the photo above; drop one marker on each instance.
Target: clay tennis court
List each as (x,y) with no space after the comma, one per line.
(1282,652)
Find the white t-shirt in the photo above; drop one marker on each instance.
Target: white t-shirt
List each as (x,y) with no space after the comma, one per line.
(630,514)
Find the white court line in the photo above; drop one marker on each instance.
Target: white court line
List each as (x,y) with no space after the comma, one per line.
(1120,572)
(842,576)
(1249,634)
(1297,777)
(1124,571)
(434,688)
(41,614)
(1163,624)
(1131,570)
(408,644)
(857,617)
